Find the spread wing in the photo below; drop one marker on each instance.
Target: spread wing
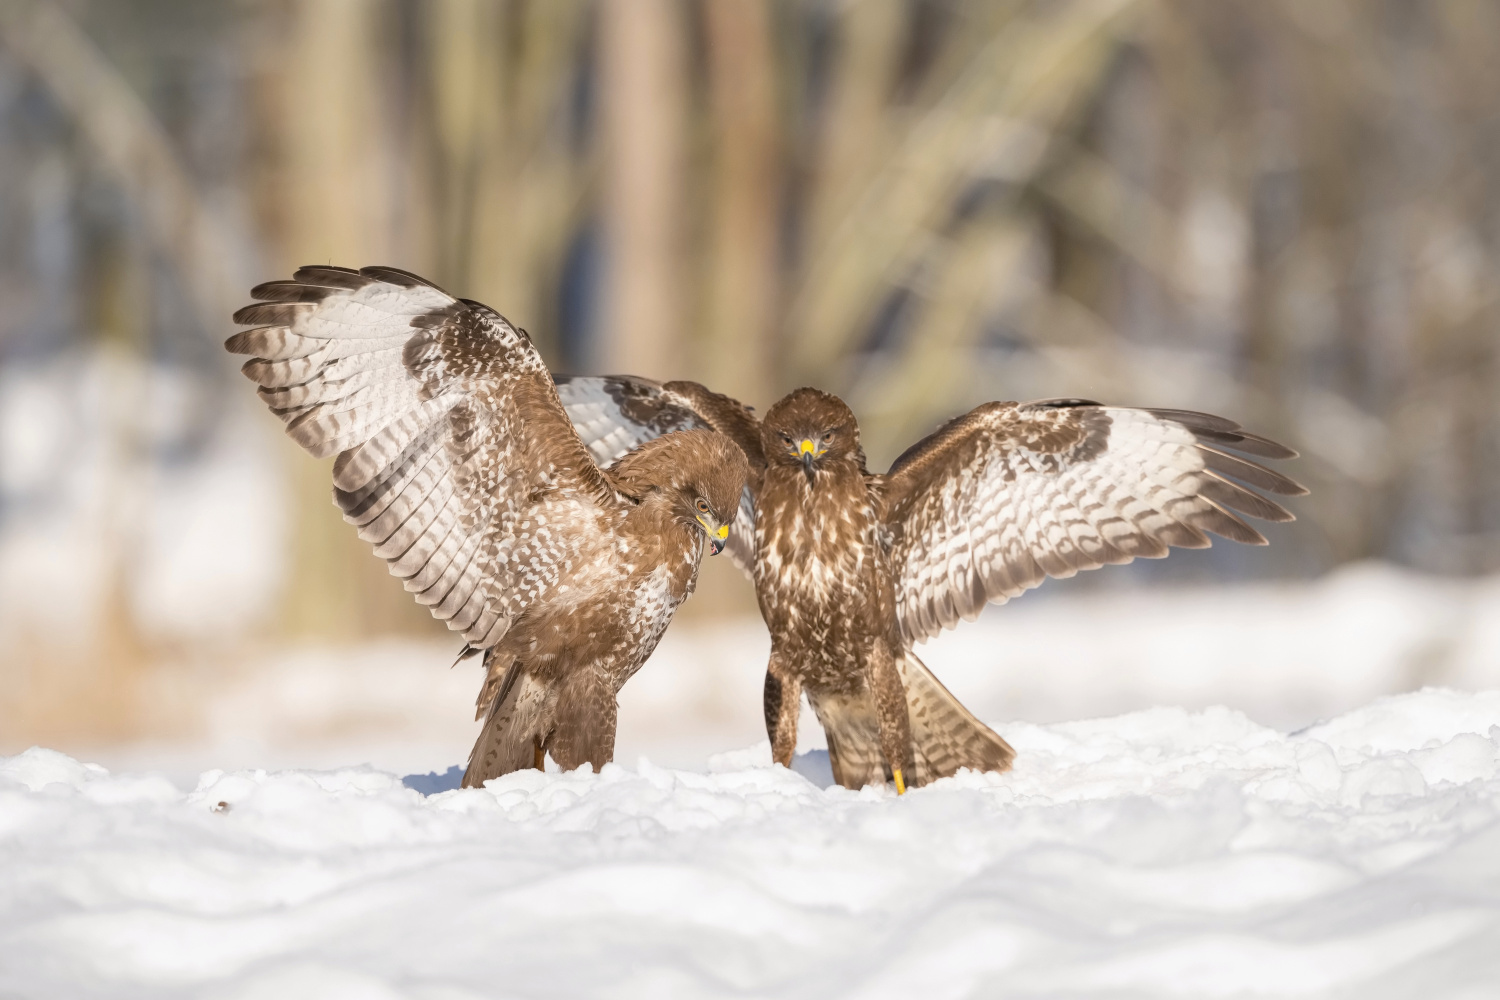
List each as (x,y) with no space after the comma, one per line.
(616,414)
(1010,493)
(455,458)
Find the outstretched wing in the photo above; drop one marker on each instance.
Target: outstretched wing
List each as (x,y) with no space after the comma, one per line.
(1010,493)
(455,458)
(616,414)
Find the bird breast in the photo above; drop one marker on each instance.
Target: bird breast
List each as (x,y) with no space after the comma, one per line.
(814,545)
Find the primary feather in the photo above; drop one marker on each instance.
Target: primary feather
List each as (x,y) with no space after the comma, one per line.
(1008,494)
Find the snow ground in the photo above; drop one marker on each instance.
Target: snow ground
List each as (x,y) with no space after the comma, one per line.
(1164,853)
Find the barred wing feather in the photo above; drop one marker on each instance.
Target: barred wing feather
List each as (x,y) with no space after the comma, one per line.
(616,414)
(999,499)
(455,459)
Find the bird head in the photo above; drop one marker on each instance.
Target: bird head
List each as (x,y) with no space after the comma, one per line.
(699,474)
(813,429)
(714,489)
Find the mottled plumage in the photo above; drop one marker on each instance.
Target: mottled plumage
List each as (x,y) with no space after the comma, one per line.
(852,569)
(458,464)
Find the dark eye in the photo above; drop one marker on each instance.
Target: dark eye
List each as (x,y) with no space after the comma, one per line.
(702,506)
(786,437)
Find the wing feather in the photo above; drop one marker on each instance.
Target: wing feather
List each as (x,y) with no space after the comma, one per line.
(432,581)
(1227,494)
(1249,472)
(273,341)
(616,414)
(407,516)
(450,437)
(1009,494)
(431,546)
(418,428)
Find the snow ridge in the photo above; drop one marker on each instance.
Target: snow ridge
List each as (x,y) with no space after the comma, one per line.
(1164,853)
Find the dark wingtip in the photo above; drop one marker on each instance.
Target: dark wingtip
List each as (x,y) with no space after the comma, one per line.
(397,276)
(1266,448)
(1196,420)
(1227,464)
(306,270)
(1062,403)
(290,291)
(329,276)
(269,313)
(1225,433)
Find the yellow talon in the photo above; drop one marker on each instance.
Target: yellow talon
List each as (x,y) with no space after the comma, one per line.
(900,783)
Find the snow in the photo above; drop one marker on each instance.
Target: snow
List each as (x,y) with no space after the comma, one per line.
(1287,654)
(1162,853)
(183,499)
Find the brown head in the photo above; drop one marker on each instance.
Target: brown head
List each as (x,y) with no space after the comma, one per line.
(697,476)
(813,429)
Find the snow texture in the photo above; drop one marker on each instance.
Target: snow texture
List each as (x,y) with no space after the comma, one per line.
(1164,853)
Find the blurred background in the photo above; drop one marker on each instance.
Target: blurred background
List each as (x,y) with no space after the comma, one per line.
(1283,211)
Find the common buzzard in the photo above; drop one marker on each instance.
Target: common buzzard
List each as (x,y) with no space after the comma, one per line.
(852,569)
(458,464)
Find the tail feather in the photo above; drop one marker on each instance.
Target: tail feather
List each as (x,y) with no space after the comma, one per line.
(945,735)
(519,721)
(499,671)
(853,732)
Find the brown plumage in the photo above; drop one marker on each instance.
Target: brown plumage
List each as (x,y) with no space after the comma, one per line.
(458,464)
(852,569)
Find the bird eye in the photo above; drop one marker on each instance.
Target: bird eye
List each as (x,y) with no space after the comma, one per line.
(702,506)
(786,437)
(828,437)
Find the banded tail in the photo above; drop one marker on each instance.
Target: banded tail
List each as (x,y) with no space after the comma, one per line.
(945,735)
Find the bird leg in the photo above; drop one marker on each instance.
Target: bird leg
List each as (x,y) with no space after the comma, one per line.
(890,710)
(783,703)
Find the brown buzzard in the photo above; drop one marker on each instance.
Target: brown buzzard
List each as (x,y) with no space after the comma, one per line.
(852,569)
(458,464)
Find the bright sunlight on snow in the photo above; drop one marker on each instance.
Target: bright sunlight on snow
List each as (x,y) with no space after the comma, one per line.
(1166,853)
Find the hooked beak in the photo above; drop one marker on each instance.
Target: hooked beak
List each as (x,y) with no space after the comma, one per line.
(715,538)
(809,452)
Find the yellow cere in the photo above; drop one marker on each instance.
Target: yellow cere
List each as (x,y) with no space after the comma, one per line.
(807,446)
(723,532)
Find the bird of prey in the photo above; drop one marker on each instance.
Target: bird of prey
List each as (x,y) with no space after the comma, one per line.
(851,569)
(458,464)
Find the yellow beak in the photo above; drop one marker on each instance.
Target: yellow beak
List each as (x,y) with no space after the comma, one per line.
(715,537)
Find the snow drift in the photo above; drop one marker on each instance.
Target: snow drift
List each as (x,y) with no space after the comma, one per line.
(1158,854)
